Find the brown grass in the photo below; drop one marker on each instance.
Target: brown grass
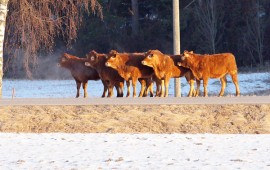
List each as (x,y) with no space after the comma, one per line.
(218,119)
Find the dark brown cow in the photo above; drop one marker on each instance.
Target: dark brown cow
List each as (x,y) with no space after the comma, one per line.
(212,66)
(79,72)
(165,68)
(129,67)
(108,75)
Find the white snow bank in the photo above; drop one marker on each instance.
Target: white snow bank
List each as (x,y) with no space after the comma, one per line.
(134,151)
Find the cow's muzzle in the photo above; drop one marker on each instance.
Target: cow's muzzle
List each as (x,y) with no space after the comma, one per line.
(107,64)
(143,63)
(87,64)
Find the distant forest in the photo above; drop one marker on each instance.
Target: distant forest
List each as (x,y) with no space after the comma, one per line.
(241,27)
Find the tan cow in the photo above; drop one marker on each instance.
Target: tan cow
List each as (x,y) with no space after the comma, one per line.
(211,66)
(165,68)
(108,75)
(129,66)
(79,72)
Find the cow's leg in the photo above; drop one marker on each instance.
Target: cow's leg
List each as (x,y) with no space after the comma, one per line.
(162,88)
(110,90)
(158,87)
(167,81)
(128,88)
(235,81)
(143,85)
(121,89)
(105,88)
(134,81)
(198,84)
(149,88)
(118,91)
(223,81)
(205,82)
(78,83)
(191,85)
(85,84)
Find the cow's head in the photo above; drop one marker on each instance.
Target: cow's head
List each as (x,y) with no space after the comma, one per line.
(63,60)
(152,58)
(185,58)
(114,59)
(92,58)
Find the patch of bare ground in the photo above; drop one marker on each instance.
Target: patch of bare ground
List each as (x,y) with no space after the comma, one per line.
(219,119)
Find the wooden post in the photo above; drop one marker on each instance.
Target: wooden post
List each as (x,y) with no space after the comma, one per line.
(176,42)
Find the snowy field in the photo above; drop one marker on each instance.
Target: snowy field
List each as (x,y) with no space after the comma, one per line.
(249,84)
(131,151)
(134,151)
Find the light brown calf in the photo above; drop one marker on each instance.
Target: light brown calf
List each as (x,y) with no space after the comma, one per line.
(129,66)
(211,66)
(165,67)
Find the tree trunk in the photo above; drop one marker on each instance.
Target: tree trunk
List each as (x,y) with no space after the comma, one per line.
(176,43)
(135,17)
(3,14)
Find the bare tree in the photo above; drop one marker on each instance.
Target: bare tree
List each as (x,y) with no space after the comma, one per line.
(255,34)
(33,25)
(210,23)
(3,14)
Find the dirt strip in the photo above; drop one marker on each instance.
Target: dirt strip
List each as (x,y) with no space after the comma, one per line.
(220,119)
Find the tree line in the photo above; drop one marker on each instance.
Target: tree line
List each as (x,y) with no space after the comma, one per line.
(207,26)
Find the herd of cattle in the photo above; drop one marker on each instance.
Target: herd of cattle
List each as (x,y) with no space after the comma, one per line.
(114,69)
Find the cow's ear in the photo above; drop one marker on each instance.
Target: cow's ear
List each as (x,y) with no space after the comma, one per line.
(191,52)
(183,57)
(185,52)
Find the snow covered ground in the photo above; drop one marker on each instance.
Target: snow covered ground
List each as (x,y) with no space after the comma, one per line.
(249,83)
(134,151)
(131,151)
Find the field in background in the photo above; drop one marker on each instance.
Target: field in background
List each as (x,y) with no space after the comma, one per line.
(250,84)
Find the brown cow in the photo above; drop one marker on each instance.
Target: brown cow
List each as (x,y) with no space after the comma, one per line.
(79,72)
(165,67)
(108,75)
(211,66)
(129,67)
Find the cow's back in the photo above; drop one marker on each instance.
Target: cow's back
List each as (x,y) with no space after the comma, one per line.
(81,72)
(219,64)
(135,60)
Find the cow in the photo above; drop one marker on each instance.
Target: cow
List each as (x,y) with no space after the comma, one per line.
(79,72)
(129,66)
(108,75)
(165,68)
(211,66)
